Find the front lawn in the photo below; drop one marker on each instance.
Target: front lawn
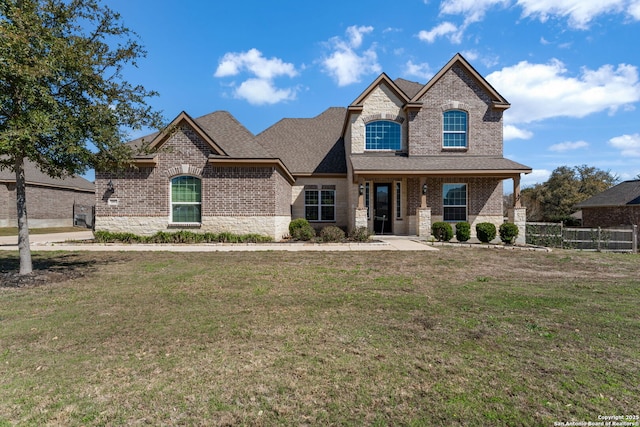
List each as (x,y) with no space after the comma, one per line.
(462,336)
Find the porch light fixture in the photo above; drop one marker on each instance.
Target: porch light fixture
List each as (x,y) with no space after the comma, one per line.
(361,189)
(424,189)
(110,186)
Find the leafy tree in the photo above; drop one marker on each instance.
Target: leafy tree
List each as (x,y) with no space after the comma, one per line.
(64,104)
(555,199)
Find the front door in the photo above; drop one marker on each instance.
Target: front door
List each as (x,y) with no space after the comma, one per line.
(382,208)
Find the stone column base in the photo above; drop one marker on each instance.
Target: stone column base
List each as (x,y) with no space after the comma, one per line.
(361,218)
(518,216)
(423,222)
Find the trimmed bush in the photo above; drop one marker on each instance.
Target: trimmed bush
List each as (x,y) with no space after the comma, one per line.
(360,234)
(463,231)
(332,233)
(486,232)
(508,232)
(442,231)
(300,229)
(182,236)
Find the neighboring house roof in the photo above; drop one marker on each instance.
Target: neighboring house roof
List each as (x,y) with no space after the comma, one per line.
(306,146)
(626,193)
(35,176)
(457,165)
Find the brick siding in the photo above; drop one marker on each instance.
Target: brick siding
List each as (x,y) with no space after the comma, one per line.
(456,89)
(611,216)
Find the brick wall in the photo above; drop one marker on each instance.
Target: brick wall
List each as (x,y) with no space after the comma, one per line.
(46,206)
(456,89)
(611,216)
(231,191)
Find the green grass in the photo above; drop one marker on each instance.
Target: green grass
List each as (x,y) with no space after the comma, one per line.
(454,337)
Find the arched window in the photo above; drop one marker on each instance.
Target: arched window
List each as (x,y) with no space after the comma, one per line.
(186,199)
(454,129)
(383,135)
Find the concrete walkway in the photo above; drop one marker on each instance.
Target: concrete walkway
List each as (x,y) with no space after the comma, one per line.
(64,242)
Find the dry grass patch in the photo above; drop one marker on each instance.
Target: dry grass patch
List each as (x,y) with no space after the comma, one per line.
(455,337)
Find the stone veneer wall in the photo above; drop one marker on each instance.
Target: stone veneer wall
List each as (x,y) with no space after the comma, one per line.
(342,209)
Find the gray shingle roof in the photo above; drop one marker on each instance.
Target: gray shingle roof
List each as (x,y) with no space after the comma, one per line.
(408,87)
(436,164)
(34,175)
(312,145)
(230,135)
(626,193)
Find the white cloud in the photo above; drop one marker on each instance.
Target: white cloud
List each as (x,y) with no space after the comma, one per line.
(444,29)
(260,89)
(473,10)
(422,70)
(537,176)
(568,146)
(542,91)
(513,132)
(629,145)
(579,12)
(345,64)
(634,10)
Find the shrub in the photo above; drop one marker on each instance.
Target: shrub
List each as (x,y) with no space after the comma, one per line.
(486,232)
(360,234)
(442,231)
(332,234)
(508,232)
(463,231)
(300,229)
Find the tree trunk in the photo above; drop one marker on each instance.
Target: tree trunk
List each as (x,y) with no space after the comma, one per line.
(26,266)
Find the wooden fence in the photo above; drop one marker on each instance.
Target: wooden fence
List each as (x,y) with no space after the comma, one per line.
(620,239)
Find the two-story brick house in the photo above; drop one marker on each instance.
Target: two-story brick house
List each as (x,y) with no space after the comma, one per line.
(401,156)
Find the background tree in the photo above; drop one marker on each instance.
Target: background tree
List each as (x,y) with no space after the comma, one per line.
(554,200)
(64,104)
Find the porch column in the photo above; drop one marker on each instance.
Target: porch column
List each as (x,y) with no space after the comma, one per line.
(361,210)
(518,214)
(423,214)
(516,192)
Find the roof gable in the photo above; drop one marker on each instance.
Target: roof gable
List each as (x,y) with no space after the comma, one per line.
(184,118)
(498,100)
(382,79)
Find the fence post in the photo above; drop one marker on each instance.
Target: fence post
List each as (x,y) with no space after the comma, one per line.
(634,244)
(561,235)
(599,237)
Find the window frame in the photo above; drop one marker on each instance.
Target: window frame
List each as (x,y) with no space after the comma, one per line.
(173,203)
(446,131)
(398,199)
(319,211)
(377,147)
(456,206)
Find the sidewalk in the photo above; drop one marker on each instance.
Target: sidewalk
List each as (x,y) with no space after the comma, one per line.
(64,242)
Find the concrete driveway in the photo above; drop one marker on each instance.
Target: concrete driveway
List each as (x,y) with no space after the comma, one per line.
(65,242)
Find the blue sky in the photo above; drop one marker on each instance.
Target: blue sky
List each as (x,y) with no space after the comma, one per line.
(570,68)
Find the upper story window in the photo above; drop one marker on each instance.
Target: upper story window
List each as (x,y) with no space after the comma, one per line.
(186,199)
(383,135)
(455,129)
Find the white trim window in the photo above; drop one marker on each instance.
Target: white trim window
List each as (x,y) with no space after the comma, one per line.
(320,205)
(383,135)
(454,202)
(454,125)
(186,200)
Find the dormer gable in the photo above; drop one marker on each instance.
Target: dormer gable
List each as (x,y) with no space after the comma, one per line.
(498,101)
(382,79)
